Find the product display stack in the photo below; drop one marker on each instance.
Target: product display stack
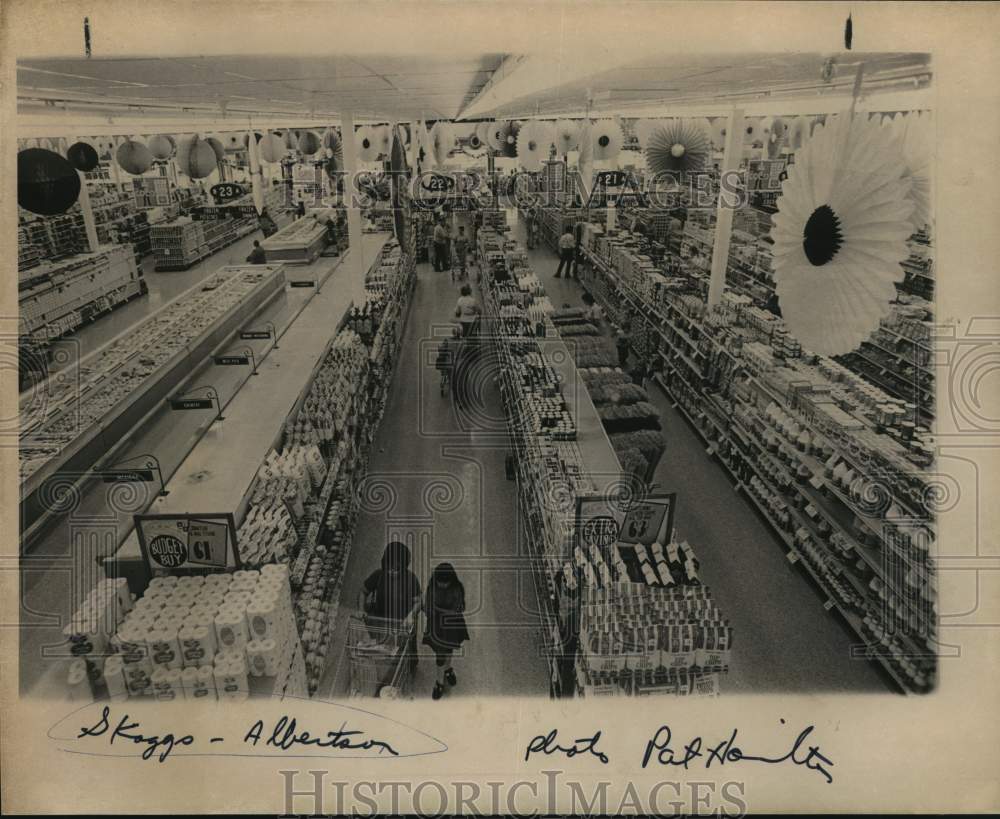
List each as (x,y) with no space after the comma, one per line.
(218,635)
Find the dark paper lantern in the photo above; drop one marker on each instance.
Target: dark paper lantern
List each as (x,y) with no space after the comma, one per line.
(196,158)
(134,157)
(161,146)
(82,156)
(47,184)
(309,142)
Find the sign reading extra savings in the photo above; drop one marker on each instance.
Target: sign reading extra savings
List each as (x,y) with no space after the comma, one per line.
(188,542)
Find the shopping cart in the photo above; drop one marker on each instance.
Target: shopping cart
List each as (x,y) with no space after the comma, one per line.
(382,655)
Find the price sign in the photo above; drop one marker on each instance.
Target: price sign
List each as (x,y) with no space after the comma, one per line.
(226,192)
(184,543)
(302,284)
(248,335)
(232,360)
(649,520)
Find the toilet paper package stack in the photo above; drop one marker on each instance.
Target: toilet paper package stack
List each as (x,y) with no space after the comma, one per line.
(204,636)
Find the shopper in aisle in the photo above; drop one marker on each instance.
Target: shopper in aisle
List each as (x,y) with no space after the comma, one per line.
(622,345)
(257,254)
(446,629)
(392,591)
(594,313)
(440,246)
(467,310)
(567,252)
(461,252)
(300,208)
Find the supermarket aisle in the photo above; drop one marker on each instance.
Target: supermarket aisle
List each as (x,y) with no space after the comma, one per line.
(439,485)
(783,639)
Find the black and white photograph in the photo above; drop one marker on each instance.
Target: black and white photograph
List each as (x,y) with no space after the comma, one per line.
(515,390)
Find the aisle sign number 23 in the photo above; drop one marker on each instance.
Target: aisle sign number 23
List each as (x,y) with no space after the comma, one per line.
(227,192)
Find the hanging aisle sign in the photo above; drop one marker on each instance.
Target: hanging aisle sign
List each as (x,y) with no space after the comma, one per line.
(188,542)
(227,192)
(127,475)
(616,188)
(191,403)
(233,360)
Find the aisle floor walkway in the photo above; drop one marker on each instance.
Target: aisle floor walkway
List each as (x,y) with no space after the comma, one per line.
(442,489)
(784,641)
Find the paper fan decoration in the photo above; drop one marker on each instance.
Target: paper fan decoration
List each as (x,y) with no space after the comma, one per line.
(677,146)
(161,146)
(533,143)
(567,136)
(840,234)
(442,142)
(383,139)
(718,131)
(775,132)
(798,133)
(133,157)
(608,139)
(333,144)
(308,143)
(495,136)
(366,143)
(232,141)
(585,145)
(475,143)
(105,147)
(752,131)
(914,136)
(508,138)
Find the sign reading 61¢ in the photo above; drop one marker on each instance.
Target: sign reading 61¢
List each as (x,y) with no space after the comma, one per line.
(188,542)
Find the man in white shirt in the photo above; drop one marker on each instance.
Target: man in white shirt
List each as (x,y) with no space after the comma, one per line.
(567,252)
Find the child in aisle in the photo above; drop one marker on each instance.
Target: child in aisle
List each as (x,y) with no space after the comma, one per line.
(594,314)
(257,254)
(446,629)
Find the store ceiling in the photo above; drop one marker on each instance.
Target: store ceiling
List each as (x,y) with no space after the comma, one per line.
(672,80)
(372,86)
(430,87)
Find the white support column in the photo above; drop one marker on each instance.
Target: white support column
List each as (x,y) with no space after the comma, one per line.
(89,224)
(355,235)
(724,213)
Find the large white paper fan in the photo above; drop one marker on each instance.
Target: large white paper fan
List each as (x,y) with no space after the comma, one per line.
(718,132)
(533,143)
(442,142)
(608,139)
(366,144)
(914,136)
(677,146)
(495,136)
(383,139)
(567,136)
(840,234)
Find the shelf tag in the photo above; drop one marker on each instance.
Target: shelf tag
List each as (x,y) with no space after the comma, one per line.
(792,557)
(829,604)
(817,482)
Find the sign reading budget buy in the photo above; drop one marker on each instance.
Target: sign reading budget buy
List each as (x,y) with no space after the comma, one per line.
(185,543)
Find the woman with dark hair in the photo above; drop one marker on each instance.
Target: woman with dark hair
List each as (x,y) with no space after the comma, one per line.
(391,592)
(446,629)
